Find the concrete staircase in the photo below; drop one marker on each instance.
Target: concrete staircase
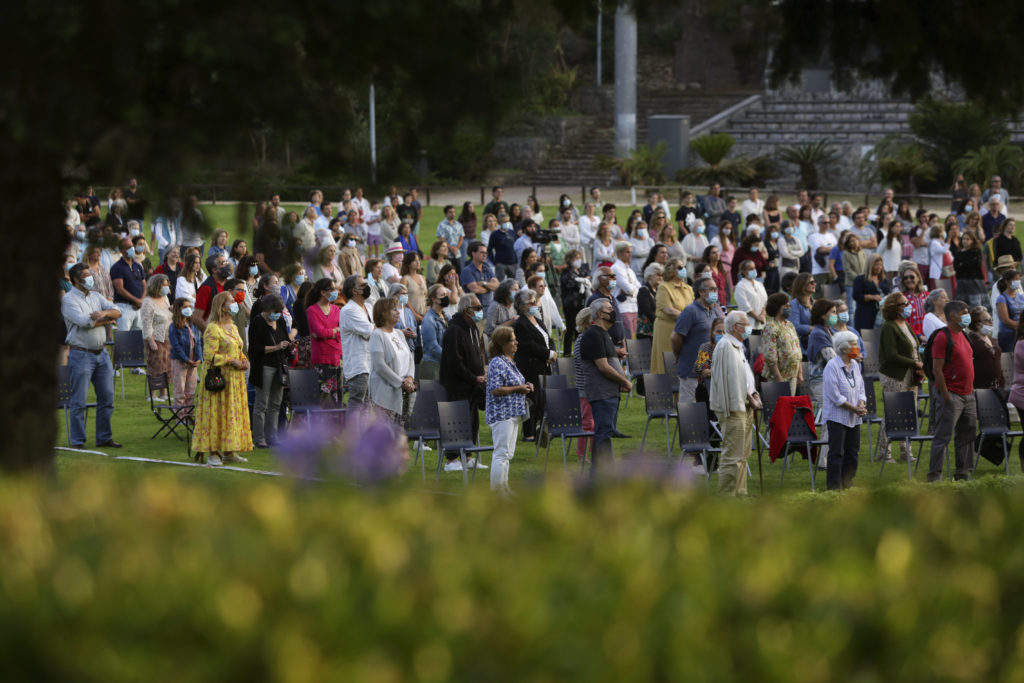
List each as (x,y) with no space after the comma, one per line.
(573,162)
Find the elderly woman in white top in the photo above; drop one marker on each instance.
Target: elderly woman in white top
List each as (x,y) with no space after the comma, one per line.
(627,286)
(642,244)
(843,405)
(391,362)
(751,295)
(935,314)
(696,241)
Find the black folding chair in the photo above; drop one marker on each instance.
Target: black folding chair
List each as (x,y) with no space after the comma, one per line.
(801,435)
(695,435)
(564,420)
(771,392)
(638,356)
(869,368)
(456,427)
(548,382)
(993,421)
(64,399)
(434,386)
(169,417)
(129,352)
(901,425)
(660,404)
(423,425)
(871,418)
(305,394)
(567,367)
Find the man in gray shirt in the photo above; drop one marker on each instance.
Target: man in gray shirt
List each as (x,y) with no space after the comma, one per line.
(603,376)
(86,314)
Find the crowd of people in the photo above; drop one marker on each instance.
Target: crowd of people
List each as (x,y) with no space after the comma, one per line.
(346,288)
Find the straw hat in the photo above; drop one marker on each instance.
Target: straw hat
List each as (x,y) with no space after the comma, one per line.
(395,248)
(1005,261)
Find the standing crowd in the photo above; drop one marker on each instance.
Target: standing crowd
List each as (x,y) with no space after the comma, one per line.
(344,288)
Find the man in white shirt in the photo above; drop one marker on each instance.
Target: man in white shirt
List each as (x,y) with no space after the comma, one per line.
(820,244)
(734,399)
(356,327)
(627,286)
(324,219)
(753,205)
(363,203)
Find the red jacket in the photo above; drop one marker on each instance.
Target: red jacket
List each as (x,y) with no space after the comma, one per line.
(781,419)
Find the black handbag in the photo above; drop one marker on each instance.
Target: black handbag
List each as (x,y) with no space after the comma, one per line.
(214,380)
(282,376)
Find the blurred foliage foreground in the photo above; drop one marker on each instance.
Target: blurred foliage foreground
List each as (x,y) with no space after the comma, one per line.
(152,578)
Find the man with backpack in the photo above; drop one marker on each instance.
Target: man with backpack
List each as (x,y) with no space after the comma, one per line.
(956,413)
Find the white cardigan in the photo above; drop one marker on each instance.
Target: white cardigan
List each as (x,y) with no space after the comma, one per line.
(729,370)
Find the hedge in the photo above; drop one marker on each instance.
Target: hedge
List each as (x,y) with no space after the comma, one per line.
(151,578)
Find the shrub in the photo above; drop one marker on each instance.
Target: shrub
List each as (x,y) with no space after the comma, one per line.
(949,130)
(1002,158)
(149,577)
(809,157)
(642,167)
(713,147)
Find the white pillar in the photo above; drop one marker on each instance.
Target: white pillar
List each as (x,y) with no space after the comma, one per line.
(625,80)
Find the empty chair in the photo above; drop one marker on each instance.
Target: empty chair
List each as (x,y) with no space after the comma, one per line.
(870,364)
(871,418)
(638,354)
(801,435)
(993,422)
(456,428)
(832,291)
(64,399)
(170,417)
(305,394)
(869,336)
(695,435)
(129,352)
(901,424)
(564,419)
(660,404)
(548,382)
(434,386)
(567,367)
(423,425)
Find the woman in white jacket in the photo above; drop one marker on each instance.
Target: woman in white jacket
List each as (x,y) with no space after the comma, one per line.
(751,296)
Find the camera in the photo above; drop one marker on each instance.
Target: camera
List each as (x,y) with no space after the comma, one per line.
(541,237)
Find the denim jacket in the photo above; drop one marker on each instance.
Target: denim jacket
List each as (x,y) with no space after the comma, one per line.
(178,337)
(432,330)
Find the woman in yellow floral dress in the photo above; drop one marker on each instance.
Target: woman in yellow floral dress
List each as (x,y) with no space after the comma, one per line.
(781,345)
(222,417)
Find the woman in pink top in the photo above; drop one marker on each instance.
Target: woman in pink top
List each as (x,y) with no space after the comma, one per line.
(324,320)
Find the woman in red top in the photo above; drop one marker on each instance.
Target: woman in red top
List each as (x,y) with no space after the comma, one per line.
(324,319)
(752,249)
(713,257)
(912,286)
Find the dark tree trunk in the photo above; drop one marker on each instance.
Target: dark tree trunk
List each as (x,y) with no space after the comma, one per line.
(29,306)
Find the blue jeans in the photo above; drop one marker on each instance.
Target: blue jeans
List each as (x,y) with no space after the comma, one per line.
(606,415)
(96,368)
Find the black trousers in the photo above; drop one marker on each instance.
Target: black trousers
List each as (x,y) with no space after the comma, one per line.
(843,445)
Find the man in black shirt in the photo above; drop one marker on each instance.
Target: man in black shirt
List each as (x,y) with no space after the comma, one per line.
(604,379)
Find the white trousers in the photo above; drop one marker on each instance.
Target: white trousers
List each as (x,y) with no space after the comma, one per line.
(503,435)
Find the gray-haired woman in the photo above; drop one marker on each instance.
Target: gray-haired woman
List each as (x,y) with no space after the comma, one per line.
(646,298)
(501,311)
(843,405)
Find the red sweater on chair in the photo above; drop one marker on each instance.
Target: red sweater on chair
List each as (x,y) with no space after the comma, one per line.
(781,419)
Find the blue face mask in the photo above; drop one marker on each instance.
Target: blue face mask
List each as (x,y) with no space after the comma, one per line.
(751,274)
(747,331)
(788,231)
(273,317)
(535,311)
(333,296)
(165,290)
(832,320)
(233,307)
(713,297)
(844,317)
(403,299)
(965,320)
(478,315)
(299,279)
(139,249)
(700,229)
(681,273)
(775,235)
(254,270)
(186,312)
(908,310)
(80,236)
(89,282)
(718,338)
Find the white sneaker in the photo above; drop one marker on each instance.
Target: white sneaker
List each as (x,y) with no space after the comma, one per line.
(214,460)
(453,466)
(427,448)
(235,457)
(471,463)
